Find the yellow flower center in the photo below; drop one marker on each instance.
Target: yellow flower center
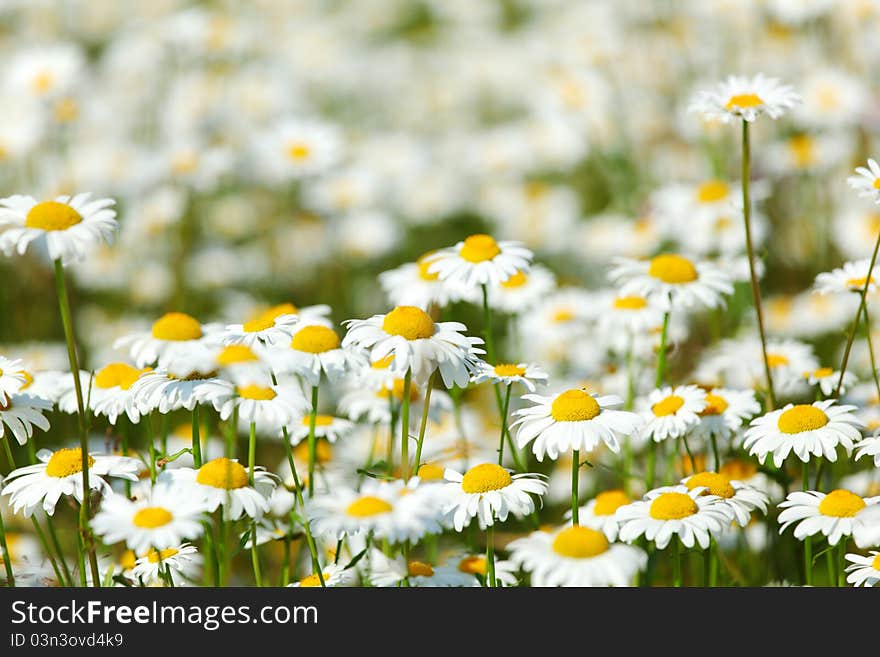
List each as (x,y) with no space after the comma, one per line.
(580,542)
(841,504)
(368,505)
(876,184)
(744,101)
(473,565)
(43,81)
(117,374)
(563,315)
(66,462)
(802,150)
(260,393)
(320,420)
(485,477)
(28,380)
(509,370)
(51,215)
(800,418)
(777,360)
(167,553)
(430,472)
(127,560)
(607,502)
(673,506)
(717,484)
(575,405)
(479,248)
(516,280)
(712,191)
(223,473)
(323,451)
(235,354)
(673,269)
(424,263)
(177,327)
(875,564)
(151,517)
(715,405)
(383,363)
(266,319)
(858,283)
(667,406)
(420,569)
(298,151)
(313,580)
(822,372)
(315,339)
(408,322)
(738,470)
(630,303)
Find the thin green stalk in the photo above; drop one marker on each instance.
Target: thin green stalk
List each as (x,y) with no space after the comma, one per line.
(490,556)
(575,478)
(487,326)
(715,456)
(690,455)
(404,425)
(871,352)
(808,541)
(313,418)
(505,408)
(297,491)
(252,455)
(676,562)
(125,427)
(713,563)
(661,354)
(64,307)
(196,438)
(753,276)
(285,563)
(7,558)
(389,452)
(148,427)
(652,464)
(831,565)
(862,302)
(630,375)
(424,423)
(68,577)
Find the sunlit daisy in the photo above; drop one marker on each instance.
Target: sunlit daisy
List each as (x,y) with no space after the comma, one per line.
(852,277)
(630,314)
(333,575)
(522,291)
(747,98)
(413,285)
(573,420)
(418,343)
(171,335)
(312,350)
(490,493)
(60,473)
(725,412)
(672,412)
(223,483)
(269,405)
(164,391)
(298,148)
(183,560)
(479,260)
(67,228)
(163,519)
(599,513)
(869,446)
(475,566)
(385,571)
(327,427)
(828,378)
(576,556)
(833,514)
(12,376)
(21,413)
(741,499)
(864,570)
(674,510)
(272,326)
(867,182)
(672,280)
(805,429)
(509,373)
(111,392)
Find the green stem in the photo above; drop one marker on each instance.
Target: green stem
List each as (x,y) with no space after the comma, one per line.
(196,438)
(389,452)
(753,276)
(871,352)
(808,541)
(252,455)
(505,407)
(7,558)
(404,425)
(713,563)
(661,354)
(424,423)
(862,303)
(64,307)
(297,491)
(690,454)
(676,562)
(68,577)
(630,375)
(841,563)
(487,326)
(313,418)
(490,556)
(715,452)
(575,471)
(148,426)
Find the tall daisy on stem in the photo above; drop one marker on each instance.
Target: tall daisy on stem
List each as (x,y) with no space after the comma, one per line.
(65,230)
(743,98)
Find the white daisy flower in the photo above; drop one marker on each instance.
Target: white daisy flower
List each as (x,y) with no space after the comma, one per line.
(272,326)
(489,493)
(111,392)
(298,148)
(573,420)
(67,228)
(223,482)
(866,526)
(21,413)
(183,559)
(386,571)
(522,291)
(509,373)
(12,376)
(674,510)
(833,514)
(599,513)
(576,556)
(827,379)
(869,446)
(166,392)
(417,343)
(413,285)
(867,183)
(747,98)
(628,315)
(672,412)
(864,570)
(164,518)
(389,510)
(725,412)
(479,260)
(476,566)
(273,405)
(849,278)
(333,575)
(672,280)
(312,349)
(741,499)
(60,473)
(172,335)
(46,71)
(806,429)
(326,426)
